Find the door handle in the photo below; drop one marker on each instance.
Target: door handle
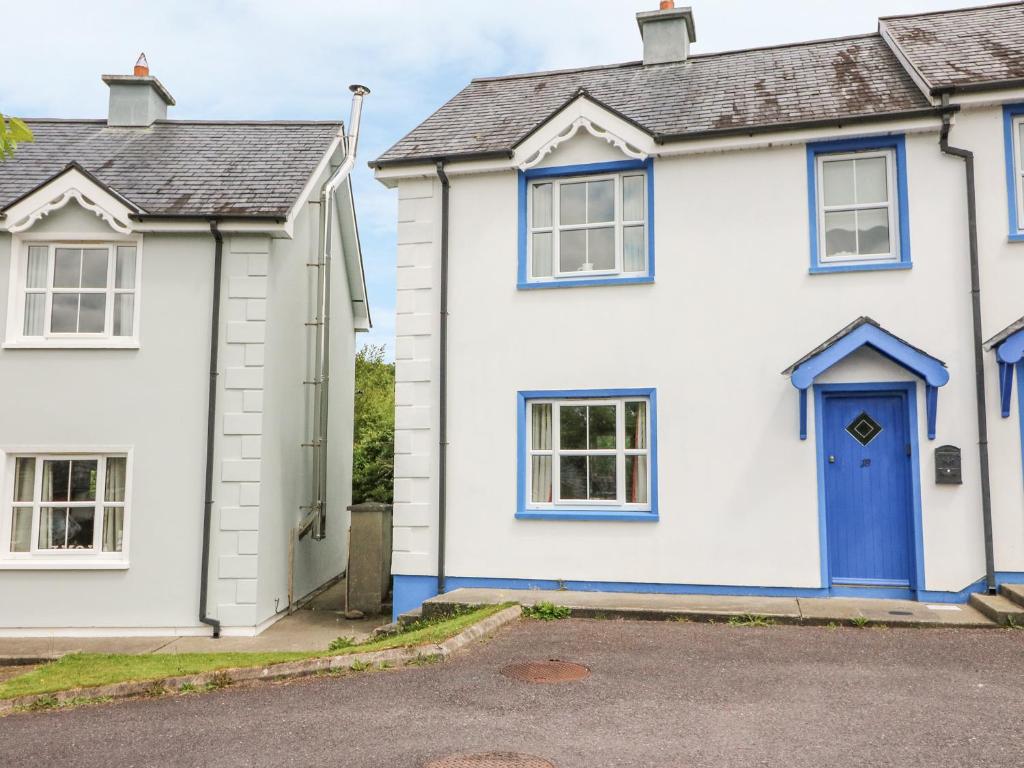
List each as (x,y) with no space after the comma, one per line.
(831,459)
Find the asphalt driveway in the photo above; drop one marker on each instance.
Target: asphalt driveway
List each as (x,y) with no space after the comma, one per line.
(660,694)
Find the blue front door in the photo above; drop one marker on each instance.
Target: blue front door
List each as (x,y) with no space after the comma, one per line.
(868,491)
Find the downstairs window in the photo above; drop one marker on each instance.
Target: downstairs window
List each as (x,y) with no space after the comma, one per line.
(589,455)
(73,506)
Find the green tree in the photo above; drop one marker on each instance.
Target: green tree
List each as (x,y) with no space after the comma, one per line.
(373,454)
(12,132)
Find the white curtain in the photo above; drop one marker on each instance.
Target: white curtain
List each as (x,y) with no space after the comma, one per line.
(113,517)
(540,471)
(46,514)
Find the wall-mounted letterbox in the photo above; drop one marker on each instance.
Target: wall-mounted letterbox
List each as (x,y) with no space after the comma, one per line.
(947,465)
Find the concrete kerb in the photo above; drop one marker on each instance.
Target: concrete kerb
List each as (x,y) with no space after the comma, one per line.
(286,670)
(723,609)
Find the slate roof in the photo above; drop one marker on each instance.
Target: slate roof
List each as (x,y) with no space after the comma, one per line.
(178,168)
(963,48)
(725,92)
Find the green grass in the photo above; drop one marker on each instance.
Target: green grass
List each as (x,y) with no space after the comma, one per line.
(86,670)
(751,620)
(546,611)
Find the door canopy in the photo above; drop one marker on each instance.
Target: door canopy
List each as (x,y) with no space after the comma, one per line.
(1009,347)
(860,333)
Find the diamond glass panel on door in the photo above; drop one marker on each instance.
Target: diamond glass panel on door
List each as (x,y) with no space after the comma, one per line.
(864,429)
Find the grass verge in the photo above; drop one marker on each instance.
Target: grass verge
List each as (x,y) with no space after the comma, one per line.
(86,670)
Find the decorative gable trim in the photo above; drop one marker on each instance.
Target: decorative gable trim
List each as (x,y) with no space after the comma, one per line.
(583,112)
(72,183)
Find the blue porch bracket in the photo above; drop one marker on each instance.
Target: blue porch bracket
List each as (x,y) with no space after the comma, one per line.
(866,332)
(1009,353)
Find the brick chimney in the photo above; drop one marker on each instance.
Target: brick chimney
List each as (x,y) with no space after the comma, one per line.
(137,100)
(667,33)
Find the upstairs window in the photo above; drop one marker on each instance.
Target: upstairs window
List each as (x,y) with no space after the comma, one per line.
(76,292)
(586,224)
(858,205)
(1013,137)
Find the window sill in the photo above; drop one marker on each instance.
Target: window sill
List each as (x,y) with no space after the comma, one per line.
(587,514)
(586,282)
(881,267)
(71,344)
(1015,237)
(40,564)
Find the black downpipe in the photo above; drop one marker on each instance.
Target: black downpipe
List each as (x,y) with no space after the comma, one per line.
(442,380)
(211,422)
(979,358)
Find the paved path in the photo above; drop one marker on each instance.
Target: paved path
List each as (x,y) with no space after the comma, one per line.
(661,694)
(634,605)
(310,629)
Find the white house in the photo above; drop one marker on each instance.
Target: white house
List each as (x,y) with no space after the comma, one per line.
(166,367)
(603,271)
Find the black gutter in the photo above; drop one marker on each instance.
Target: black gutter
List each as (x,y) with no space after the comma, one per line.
(442,381)
(979,358)
(832,122)
(497,154)
(979,87)
(204,217)
(663,138)
(211,422)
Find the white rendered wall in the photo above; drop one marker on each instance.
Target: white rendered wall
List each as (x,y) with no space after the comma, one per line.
(980,129)
(153,399)
(732,305)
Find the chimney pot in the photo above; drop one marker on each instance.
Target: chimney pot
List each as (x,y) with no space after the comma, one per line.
(142,66)
(667,33)
(137,100)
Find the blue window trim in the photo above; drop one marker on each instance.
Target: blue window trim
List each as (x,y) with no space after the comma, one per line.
(1010,111)
(897,143)
(563,171)
(590,513)
(908,390)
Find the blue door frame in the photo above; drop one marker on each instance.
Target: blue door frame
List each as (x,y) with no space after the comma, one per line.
(907,390)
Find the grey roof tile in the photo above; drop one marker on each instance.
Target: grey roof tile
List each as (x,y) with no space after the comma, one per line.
(821,80)
(970,46)
(179,168)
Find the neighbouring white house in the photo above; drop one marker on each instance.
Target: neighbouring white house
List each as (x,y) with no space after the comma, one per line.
(166,368)
(724,323)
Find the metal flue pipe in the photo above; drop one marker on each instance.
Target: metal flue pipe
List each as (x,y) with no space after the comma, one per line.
(317,517)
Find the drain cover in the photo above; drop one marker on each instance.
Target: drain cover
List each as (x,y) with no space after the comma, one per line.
(901,613)
(490,760)
(551,671)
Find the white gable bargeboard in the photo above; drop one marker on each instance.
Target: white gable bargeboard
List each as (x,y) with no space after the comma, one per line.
(70,184)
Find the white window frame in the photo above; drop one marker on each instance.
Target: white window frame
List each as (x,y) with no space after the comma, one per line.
(891,206)
(17,293)
(1018,171)
(63,559)
(618,224)
(620,452)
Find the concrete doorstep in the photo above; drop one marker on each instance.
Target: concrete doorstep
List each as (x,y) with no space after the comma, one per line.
(780,610)
(292,669)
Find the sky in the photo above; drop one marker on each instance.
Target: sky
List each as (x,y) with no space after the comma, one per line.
(267,59)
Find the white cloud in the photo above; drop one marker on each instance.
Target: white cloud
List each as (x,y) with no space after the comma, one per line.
(271,59)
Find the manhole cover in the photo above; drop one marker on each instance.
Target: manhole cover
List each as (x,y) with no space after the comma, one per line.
(490,760)
(552,671)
